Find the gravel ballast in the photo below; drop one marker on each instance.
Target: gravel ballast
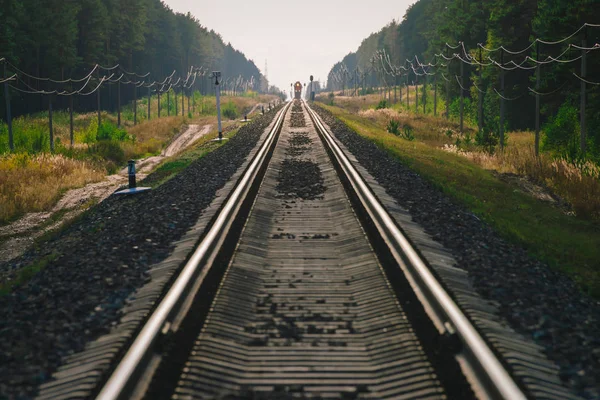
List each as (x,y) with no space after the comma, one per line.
(535,300)
(95,264)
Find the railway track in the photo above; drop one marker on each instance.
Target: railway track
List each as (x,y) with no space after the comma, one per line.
(304,287)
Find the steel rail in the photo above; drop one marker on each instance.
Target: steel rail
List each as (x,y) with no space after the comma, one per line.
(123,380)
(483,369)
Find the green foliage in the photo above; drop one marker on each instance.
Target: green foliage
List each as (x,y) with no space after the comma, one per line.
(109,131)
(331,97)
(111,151)
(30,136)
(26,273)
(393,126)
(407,133)
(229,110)
(381,105)
(469,110)
(88,135)
(561,133)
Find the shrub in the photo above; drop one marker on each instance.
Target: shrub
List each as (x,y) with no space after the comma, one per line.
(381,105)
(331,97)
(108,150)
(109,131)
(393,126)
(229,110)
(30,137)
(561,132)
(486,140)
(407,133)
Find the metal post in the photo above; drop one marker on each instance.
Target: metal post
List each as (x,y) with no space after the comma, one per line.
(502,100)
(462,96)
(50,123)
(71,136)
(131,174)
(158,94)
(583,97)
(537,100)
(217,75)
(11,143)
(119,104)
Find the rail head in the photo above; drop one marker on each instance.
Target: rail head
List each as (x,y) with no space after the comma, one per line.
(483,369)
(122,381)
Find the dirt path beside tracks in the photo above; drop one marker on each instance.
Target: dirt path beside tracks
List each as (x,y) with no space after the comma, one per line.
(17,237)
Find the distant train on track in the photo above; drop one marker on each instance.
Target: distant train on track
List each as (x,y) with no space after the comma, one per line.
(297,90)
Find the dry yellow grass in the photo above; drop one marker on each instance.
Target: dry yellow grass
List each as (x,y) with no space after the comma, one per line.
(31,183)
(577,184)
(34,183)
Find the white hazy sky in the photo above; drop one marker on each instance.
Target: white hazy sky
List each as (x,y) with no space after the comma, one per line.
(296,37)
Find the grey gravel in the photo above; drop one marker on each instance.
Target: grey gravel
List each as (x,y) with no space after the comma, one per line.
(98,262)
(535,300)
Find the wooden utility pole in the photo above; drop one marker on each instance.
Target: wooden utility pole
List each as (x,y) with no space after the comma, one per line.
(448,89)
(71,136)
(462,97)
(11,144)
(480,108)
(416,93)
(537,100)
(583,95)
(400,89)
(50,123)
(502,100)
(424,95)
(407,93)
(119,104)
(98,98)
(435,94)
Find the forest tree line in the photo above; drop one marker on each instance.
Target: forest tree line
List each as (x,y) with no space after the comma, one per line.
(429,24)
(61,39)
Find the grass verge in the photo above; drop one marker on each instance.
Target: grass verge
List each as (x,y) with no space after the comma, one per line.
(26,273)
(569,244)
(174,165)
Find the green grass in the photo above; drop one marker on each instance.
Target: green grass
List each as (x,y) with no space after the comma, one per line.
(569,244)
(26,273)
